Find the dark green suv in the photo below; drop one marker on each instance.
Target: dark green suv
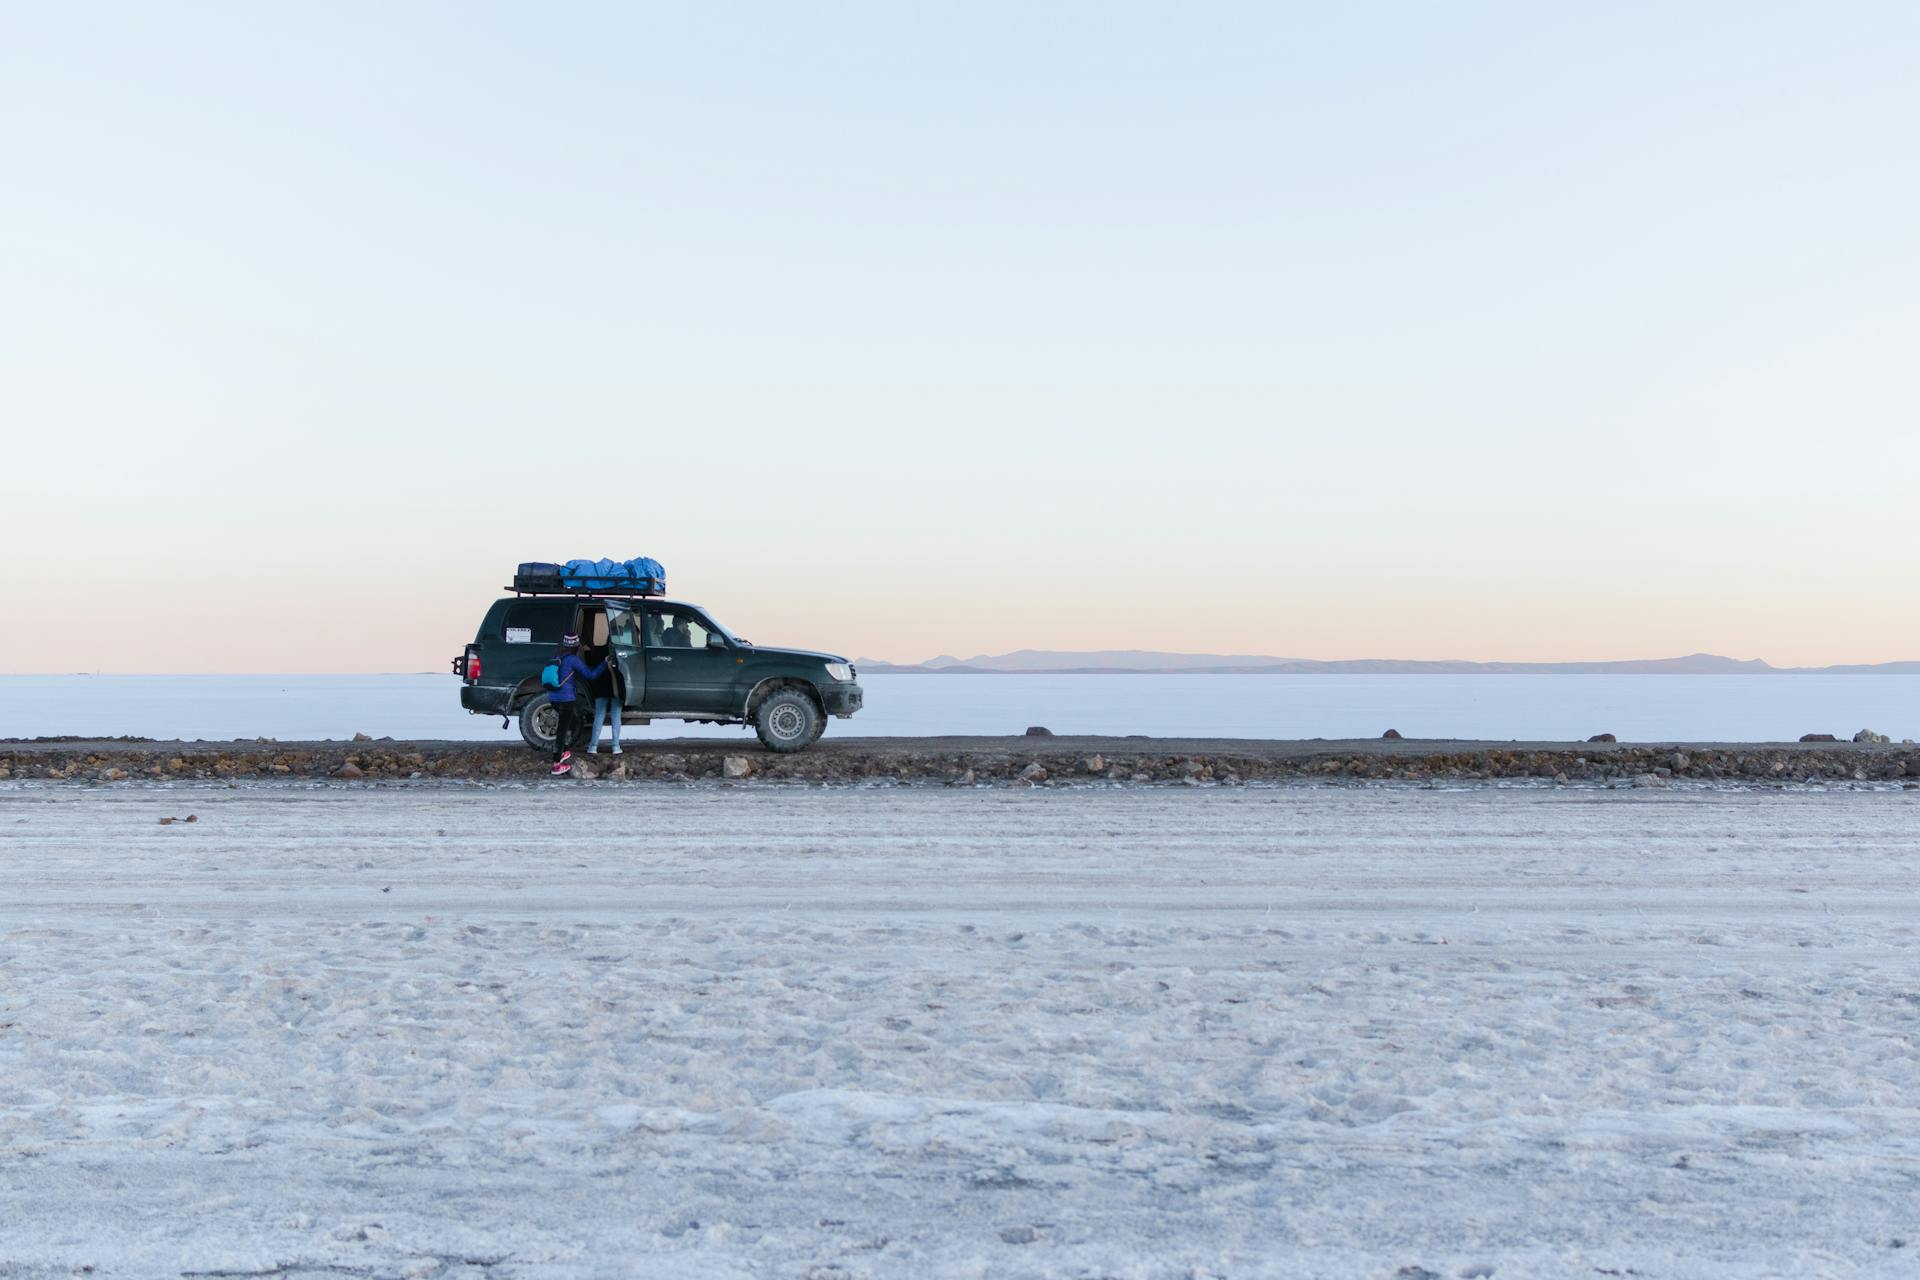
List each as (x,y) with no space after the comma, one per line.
(670,661)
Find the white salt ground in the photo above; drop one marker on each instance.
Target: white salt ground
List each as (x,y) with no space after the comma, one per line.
(576,1031)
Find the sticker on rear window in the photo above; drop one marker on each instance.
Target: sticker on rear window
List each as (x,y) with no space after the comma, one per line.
(519,635)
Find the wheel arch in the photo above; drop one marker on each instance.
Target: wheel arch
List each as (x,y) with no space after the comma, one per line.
(771,684)
(523,693)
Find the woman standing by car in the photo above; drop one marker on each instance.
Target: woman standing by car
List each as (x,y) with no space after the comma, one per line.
(605,705)
(570,676)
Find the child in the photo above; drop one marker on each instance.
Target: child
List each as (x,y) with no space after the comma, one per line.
(566,702)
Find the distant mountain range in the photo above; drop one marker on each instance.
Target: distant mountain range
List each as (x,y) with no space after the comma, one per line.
(1144,661)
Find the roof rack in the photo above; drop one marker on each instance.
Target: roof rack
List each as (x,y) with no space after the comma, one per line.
(619,593)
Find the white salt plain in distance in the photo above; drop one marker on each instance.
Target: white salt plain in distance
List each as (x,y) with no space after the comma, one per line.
(585,1030)
(1524,708)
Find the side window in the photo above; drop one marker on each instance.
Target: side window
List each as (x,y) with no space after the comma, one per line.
(676,629)
(537,621)
(626,628)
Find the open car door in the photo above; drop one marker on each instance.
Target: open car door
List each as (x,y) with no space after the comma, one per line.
(623,652)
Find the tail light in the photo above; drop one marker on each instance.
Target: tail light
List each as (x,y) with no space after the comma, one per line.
(473,666)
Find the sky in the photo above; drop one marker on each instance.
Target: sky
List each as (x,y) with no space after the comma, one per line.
(1490,331)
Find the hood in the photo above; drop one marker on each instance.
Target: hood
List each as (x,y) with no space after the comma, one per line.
(777,652)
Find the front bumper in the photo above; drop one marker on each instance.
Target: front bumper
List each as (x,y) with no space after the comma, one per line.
(840,699)
(487,699)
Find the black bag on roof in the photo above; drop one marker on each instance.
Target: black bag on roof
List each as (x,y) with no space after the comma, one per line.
(536,575)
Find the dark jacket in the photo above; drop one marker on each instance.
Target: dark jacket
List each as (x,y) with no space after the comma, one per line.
(574,675)
(601,686)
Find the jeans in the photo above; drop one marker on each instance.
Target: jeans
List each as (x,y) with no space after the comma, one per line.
(566,725)
(608,709)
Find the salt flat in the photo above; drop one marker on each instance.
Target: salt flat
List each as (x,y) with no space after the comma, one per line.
(707,1032)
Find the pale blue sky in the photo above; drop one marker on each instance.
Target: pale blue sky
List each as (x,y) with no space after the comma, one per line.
(1494,331)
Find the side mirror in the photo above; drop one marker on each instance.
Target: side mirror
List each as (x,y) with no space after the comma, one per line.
(715,642)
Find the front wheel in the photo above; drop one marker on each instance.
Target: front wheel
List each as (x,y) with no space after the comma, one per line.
(539,721)
(787,720)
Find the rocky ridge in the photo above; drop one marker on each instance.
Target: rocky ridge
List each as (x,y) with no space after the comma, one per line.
(1041,764)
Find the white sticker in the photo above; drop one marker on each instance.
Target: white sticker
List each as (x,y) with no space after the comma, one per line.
(519,635)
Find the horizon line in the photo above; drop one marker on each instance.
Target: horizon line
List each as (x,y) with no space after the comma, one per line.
(896,668)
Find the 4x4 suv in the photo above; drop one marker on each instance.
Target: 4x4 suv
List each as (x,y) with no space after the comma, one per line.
(670,661)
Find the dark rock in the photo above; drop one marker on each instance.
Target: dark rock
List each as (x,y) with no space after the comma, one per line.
(1834,761)
(363,737)
(1391,735)
(1039,731)
(1603,737)
(1818,737)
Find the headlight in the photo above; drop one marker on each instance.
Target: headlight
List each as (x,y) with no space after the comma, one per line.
(840,670)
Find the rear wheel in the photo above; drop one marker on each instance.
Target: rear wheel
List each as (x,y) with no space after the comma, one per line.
(787,720)
(539,719)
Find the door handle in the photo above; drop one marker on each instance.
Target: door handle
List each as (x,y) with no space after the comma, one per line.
(658,657)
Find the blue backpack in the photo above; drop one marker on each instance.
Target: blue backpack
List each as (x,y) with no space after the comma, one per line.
(550,675)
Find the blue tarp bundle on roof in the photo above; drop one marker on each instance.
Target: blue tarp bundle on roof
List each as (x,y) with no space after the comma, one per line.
(642,574)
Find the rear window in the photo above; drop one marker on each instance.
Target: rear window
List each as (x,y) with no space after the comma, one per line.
(536,621)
